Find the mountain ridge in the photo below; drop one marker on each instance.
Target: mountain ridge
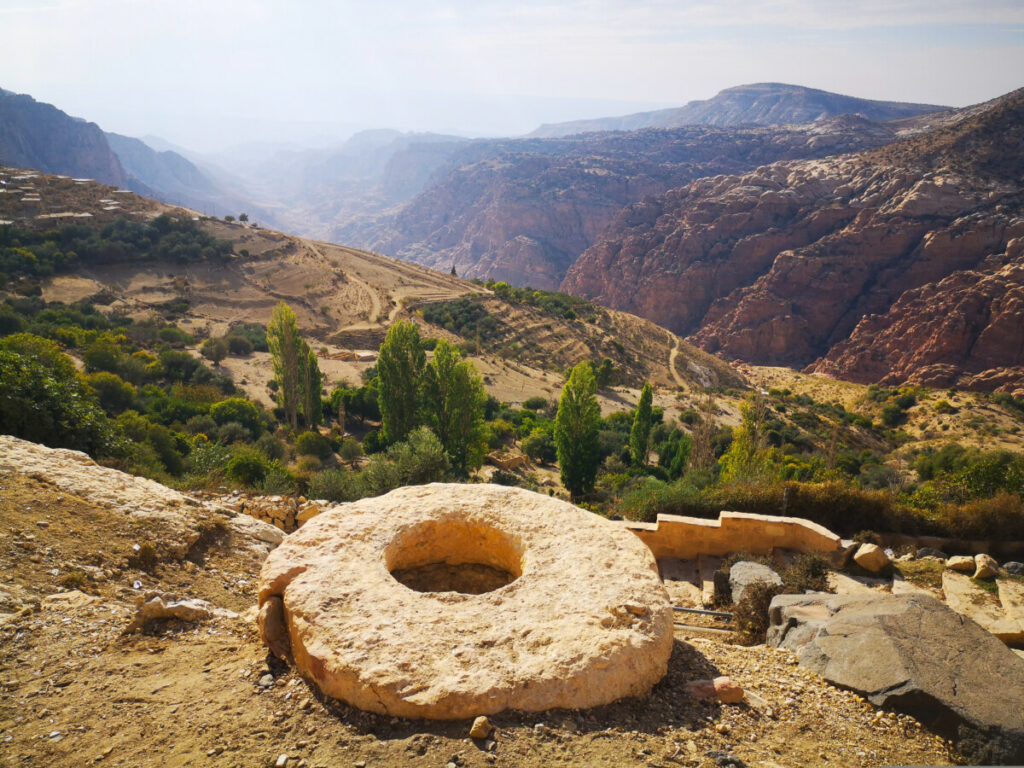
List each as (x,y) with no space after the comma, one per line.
(754,103)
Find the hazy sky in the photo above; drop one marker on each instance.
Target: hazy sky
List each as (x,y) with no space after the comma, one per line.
(210,73)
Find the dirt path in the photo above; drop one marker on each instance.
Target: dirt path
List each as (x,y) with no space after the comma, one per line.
(375,308)
(672,355)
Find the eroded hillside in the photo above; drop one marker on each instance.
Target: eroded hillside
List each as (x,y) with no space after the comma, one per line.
(898,264)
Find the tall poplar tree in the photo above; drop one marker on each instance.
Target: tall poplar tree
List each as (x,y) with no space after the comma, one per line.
(453,407)
(286,351)
(310,383)
(640,434)
(400,364)
(576,425)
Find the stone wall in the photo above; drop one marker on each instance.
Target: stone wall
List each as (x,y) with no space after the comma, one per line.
(688,537)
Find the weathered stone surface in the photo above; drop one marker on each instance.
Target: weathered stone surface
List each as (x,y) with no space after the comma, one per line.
(179,519)
(168,606)
(481,728)
(985,566)
(1011,597)
(915,655)
(744,574)
(966,597)
(938,554)
(721,688)
(961,563)
(871,557)
(1014,567)
(553,636)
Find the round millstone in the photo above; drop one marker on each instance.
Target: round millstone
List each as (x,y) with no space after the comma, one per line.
(451,601)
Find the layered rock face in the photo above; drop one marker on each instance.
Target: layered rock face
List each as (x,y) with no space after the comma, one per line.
(40,136)
(897,264)
(524,210)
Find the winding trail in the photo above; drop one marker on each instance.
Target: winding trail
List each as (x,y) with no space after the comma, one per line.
(375,308)
(672,355)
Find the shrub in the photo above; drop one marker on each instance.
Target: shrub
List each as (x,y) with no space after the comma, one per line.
(313,444)
(48,405)
(114,393)
(272,447)
(278,480)
(214,350)
(535,403)
(207,457)
(232,432)
(350,450)
(539,445)
(807,572)
(247,466)
(239,410)
(201,424)
(239,345)
(751,613)
(335,485)
(307,463)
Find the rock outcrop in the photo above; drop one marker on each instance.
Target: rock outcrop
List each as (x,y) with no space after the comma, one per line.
(175,521)
(917,656)
(451,601)
(896,264)
(40,136)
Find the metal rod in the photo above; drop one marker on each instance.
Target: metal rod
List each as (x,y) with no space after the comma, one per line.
(720,614)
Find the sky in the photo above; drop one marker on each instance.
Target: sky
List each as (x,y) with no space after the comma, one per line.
(210,74)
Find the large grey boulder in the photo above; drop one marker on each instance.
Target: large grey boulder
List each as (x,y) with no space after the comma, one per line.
(744,574)
(913,654)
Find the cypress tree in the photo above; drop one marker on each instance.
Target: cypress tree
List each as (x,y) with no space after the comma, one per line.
(640,434)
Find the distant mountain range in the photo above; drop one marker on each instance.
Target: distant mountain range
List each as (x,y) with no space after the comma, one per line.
(40,136)
(755,104)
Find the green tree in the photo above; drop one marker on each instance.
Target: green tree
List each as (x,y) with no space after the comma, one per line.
(240,411)
(453,407)
(605,373)
(576,428)
(400,366)
(640,434)
(748,458)
(285,350)
(49,404)
(310,383)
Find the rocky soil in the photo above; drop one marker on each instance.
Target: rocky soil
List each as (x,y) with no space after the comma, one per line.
(75,690)
(896,264)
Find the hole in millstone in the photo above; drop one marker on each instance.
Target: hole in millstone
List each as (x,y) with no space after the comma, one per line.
(454,556)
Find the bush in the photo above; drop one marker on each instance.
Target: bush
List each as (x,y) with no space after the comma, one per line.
(201,424)
(232,432)
(807,573)
(239,345)
(49,406)
(278,480)
(751,613)
(539,445)
(420,459)
(535,403)
(335,485)
(272,447)
(247,466)
(114,393)
(239,410)
(313,444)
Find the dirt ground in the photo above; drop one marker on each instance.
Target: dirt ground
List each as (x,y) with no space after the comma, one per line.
(75,691)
